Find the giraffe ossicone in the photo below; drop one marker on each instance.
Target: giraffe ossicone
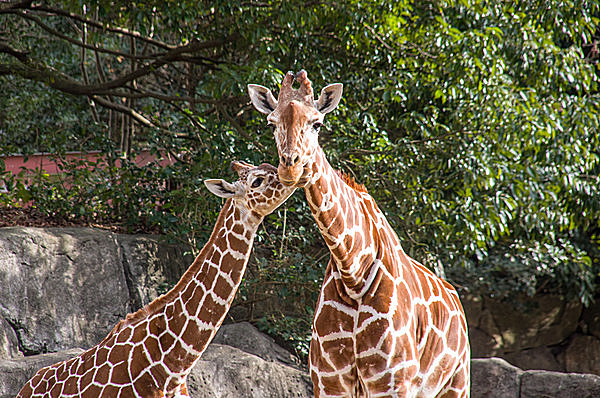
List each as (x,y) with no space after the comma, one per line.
(151,352)
(384,325)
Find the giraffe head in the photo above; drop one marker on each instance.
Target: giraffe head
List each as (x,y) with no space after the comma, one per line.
(257,190)
(296,118)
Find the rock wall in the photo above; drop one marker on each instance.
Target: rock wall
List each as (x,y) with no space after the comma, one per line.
(63,289)
(546,333)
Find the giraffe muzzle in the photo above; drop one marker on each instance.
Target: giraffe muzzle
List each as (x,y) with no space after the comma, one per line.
(290,175)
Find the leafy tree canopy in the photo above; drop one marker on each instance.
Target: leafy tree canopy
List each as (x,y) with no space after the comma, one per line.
(473,123)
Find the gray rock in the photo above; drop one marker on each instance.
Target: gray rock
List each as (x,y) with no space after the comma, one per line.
(247,338)
(591,319)
(494,378)
(539,358)
(61,287)
(541,384)
(550,321)
(14,373)
(225,371)
(9,344)
(152,267)
(583,355)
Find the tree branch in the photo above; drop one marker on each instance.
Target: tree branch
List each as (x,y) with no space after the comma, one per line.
(65,83)
(20,55)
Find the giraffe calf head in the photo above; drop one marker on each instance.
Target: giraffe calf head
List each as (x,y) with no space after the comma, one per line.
(257,190)
(296,119)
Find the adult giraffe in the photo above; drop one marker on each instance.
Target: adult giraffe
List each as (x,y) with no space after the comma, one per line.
(151,352)
(384,324)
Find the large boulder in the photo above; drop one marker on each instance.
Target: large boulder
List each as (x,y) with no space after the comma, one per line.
(225,371)
(494,378)
(547,320)
(151,266)
(247,338)
(9,343)
(61,287)
(583,355)
(538,383)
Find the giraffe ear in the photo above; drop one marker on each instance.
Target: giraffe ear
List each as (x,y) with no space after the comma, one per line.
(330,98)
(262,98)
(220,188)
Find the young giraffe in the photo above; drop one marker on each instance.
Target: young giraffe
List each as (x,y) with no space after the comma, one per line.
(384,324)
(151,352)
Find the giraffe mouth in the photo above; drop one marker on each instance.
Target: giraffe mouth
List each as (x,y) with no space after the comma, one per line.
(297,176)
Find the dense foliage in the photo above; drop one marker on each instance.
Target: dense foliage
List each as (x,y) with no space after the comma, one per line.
(473,123)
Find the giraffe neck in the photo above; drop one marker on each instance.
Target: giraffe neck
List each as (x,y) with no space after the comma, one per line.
(195,308)
(351,225)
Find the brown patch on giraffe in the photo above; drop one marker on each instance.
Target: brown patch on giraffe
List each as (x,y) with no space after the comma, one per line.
(188,292)
(176,363)
(382,301)
(371,365)
(140,362)
(195,338)
(333,221)
(41,387)
(458,382)
(239,229)
(370,335)
(145,386)
(405,350)
(229,222)
(175,318)
(109,391)
(126,391)
(222,288)
(27,390)
(153,347)
(159,371)
(120,374)
(331,320)
(438,373)
(56,391)
(166,341)
(380,385)
(237,244)
(157,325)
(70,386)
(211,311)
(316,358)
(101,357)
(102,374)
(139,332)
(124,335)
(228,262)
(434,347)
(73,365)
(87,378)
(339,351)
(334,386)
(194,306)
(92,390)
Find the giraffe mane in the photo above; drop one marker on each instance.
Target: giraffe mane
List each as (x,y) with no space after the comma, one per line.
(351,182)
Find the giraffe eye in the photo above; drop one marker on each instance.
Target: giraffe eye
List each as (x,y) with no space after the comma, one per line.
(317,126)
(271,126)
(257,182)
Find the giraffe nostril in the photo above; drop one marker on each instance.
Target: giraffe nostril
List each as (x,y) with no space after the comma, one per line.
(296,160)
